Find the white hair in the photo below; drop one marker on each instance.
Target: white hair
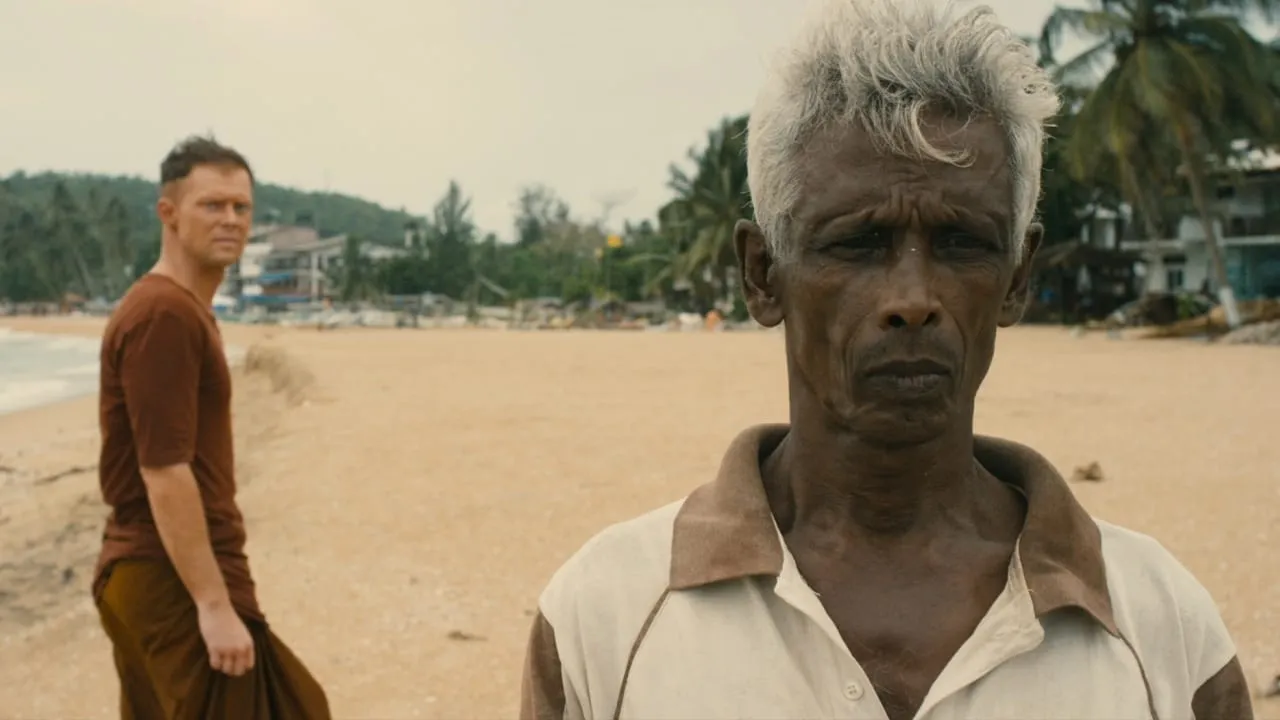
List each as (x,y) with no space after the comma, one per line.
(884,63)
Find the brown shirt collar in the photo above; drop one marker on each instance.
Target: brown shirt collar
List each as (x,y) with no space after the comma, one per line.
(725,529)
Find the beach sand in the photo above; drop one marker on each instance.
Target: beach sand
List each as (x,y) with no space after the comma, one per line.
(406,506)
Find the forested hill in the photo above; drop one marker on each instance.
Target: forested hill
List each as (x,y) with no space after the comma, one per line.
(331,213)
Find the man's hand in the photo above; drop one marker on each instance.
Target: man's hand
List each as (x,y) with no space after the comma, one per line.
(228,640)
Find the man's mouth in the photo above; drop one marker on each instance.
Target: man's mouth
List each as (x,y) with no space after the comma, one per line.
(909,368)
(912,377)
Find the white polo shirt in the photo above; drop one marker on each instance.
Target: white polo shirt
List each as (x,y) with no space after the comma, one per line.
(697,610)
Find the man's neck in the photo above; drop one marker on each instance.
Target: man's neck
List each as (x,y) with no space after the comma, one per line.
(202,282)
(824,480)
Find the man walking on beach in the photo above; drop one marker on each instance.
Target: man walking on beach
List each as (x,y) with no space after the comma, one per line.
(172,584)
(873,558)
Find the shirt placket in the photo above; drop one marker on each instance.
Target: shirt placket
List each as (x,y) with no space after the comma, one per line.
(849,692)
(1009,629)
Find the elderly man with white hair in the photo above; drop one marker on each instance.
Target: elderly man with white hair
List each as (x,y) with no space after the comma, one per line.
(874,558)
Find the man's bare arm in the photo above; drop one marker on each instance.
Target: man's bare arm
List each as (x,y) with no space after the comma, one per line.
(179,513)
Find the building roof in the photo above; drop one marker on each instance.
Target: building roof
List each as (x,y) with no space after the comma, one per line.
(285,237)
(329,243)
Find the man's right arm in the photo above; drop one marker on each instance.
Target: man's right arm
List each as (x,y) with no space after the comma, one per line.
(160,368)
(184,531)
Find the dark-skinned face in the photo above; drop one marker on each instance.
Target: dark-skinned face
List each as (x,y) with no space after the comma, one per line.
(901,273)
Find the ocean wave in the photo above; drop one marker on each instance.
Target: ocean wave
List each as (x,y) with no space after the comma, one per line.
(39,369)
(22,394)
(85,370)
(77,344)
(9,336)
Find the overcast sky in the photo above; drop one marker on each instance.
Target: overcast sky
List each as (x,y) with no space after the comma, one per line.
(389,99)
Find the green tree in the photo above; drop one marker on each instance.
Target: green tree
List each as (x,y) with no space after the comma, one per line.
(700,219)
(70,250)
(1186,73)
(407,275)
(483,267)
(354,275)
(450,237)
(1066,199)
(537,210)
(25,276)
(114,233)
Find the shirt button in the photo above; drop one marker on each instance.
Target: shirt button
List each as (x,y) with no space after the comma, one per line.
(853,690)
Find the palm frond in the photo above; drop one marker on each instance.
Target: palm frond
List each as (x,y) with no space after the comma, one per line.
(1105,23)
(1081,71)
(1267,10)
(1198,82)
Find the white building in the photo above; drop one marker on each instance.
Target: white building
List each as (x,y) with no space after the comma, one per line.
(286,264)
(1247,223)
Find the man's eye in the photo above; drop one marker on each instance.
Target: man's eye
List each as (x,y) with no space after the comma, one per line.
(960,240)
(869,239)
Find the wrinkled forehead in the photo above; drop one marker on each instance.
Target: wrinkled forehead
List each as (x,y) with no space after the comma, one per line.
(213,182)
(844,167)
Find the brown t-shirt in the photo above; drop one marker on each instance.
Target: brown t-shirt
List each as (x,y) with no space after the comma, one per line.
(165,399)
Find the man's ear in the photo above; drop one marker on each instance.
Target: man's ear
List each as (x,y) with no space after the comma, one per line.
(758,274)
(167,209)
(1015,302)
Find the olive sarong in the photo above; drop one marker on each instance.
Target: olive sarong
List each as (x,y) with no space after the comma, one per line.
(164,666)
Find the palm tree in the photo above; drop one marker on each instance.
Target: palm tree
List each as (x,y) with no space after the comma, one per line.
(69,244)
(1069,197)
(354,275)
(450,237)
(28,261)
(708,203)
(25,274)
(1182,72)
(660,270)
(112,232)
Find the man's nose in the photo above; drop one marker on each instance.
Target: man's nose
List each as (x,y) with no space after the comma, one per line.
(909,297)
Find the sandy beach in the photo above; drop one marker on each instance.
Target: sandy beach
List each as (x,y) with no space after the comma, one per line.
(408,493)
